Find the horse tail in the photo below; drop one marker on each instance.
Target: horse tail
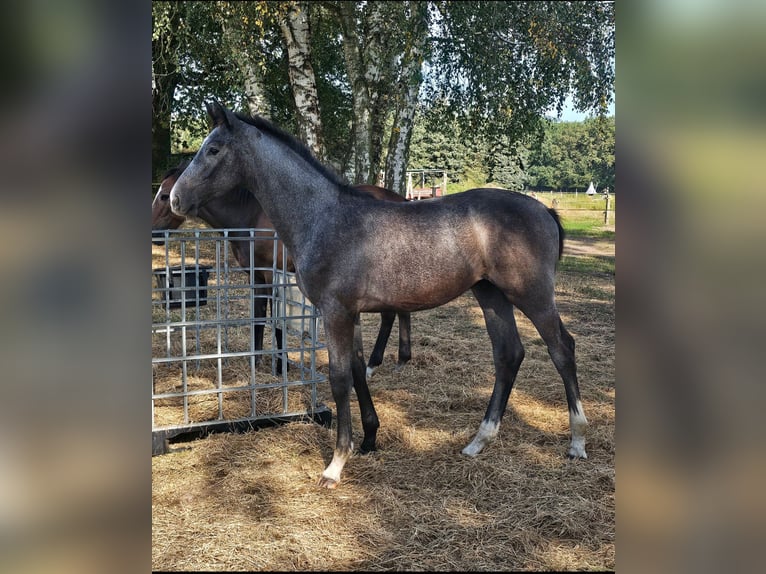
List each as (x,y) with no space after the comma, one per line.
(557,219)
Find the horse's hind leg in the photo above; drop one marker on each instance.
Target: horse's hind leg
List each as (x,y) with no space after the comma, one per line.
(561,348)
(405,349)
(507,353)
(282,365)
(260,304)
(376,357)
(367,412)
(386,324)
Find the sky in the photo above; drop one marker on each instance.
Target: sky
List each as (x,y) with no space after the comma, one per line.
(569,114)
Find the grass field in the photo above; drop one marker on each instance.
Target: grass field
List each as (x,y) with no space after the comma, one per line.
(251,502)
(583,215)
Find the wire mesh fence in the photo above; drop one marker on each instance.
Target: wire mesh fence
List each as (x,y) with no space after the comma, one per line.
(234,345)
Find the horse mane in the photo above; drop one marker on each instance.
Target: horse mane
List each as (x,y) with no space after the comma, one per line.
(177,170)
(298,147)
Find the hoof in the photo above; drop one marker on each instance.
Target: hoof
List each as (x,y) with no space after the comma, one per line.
(399,367)
(367,449)
(471,450)
(370,371)
(280,367)
(325,482)
(574,456)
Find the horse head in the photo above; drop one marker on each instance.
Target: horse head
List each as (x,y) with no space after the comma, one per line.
(214,169)
(162,216)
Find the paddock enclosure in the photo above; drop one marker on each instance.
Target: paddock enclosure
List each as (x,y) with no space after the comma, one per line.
(250,501)
(206,367)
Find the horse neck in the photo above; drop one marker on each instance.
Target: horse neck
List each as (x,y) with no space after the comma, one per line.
(295,195)
(237,209)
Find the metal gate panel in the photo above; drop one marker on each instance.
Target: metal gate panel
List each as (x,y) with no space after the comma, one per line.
(207,372)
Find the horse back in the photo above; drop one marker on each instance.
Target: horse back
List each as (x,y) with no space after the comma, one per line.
(380,193)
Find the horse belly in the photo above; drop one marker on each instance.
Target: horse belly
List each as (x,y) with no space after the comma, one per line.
(414,290)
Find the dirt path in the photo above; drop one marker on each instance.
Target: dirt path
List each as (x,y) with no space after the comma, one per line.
(588,246)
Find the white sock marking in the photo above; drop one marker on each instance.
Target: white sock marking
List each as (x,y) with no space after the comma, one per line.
(487,433)
(336,465)
(578,425)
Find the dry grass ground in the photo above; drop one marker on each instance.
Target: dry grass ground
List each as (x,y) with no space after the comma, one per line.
(251,502)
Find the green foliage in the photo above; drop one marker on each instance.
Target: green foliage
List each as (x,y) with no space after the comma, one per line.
(437,144)
(507,162)
(569,155)
(332,87)
(493,69)
(572,154)
(214,37)
(502,65)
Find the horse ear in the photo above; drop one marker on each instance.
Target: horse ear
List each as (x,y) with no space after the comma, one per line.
(217,114)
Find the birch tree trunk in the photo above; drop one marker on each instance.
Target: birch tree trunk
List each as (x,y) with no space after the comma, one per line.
(249,64)
(255,90)
(360,100)
(367,64)
(410,80)
(378,69)
(297,34)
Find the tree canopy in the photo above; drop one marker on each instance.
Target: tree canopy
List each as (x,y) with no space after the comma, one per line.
(489,70)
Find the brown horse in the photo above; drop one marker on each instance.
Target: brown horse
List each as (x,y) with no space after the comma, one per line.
(240,210)
(351,256)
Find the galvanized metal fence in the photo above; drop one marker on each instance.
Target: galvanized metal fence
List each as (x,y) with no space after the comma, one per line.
(208,373)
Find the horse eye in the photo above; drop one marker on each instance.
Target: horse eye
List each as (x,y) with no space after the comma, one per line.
(165,196)
(213,150)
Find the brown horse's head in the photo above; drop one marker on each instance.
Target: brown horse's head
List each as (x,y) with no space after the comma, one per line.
(162,216)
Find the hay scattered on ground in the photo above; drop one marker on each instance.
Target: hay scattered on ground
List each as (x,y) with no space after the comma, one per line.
(251,502)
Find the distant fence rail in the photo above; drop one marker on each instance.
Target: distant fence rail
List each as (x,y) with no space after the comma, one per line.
(551,198)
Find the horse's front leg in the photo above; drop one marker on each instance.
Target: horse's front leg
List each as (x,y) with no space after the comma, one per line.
(339,333)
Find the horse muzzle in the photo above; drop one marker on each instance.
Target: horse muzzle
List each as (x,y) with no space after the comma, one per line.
(182,208)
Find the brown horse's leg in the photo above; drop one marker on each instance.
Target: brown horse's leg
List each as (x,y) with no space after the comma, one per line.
(376,357)
(282,365)
(339,334)
(561,348)
(507,353)
(405,350)
(260,305)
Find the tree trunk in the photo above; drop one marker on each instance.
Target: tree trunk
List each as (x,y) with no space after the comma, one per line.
(297,34)
(378,67)
(257,104)
(164,82)
(366,64)
(409,86)
(162,98)
(252,78)
(359,97)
